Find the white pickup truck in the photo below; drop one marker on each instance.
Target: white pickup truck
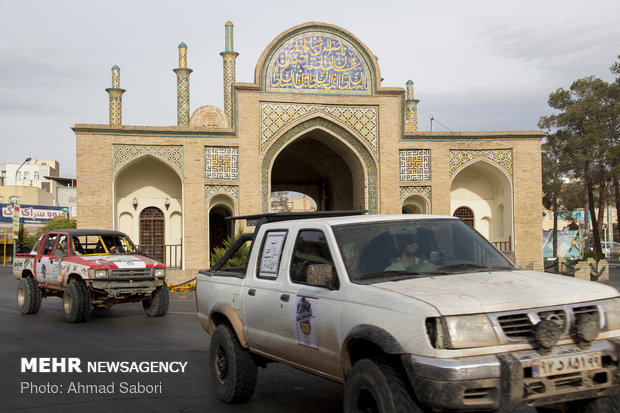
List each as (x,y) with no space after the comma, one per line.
(412,313)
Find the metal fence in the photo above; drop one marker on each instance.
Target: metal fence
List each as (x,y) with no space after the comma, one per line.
(503,246)
(169,254)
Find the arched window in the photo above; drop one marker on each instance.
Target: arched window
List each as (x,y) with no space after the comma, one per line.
(152,233)
(36,175)
(465,214)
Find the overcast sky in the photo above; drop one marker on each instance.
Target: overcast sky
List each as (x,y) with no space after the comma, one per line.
(477,65)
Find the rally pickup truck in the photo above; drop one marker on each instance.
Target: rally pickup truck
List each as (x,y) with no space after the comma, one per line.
(89,268)
(412,313)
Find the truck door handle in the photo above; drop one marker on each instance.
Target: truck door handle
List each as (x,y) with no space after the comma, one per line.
(252,292)
(284,297)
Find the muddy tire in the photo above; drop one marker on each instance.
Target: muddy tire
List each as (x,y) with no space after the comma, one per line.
(28,296)
(373,386)
(609,404)
(232,368)
(76,302)
(157,305)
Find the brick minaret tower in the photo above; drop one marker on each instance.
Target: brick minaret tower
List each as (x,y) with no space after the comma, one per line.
(183,73)
(229,56)
(116,97)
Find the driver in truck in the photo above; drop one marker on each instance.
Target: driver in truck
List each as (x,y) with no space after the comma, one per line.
(410,257)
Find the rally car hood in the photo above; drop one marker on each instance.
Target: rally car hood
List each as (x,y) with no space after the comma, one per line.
(483,292)
(116,261)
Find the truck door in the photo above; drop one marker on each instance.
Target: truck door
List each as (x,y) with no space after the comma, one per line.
(310,319)
(46,259)
(61,250)
(261,297)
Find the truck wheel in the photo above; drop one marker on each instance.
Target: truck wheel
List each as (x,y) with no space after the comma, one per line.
(233,371)
(157,305)
(76,302)
(608,404)
(28,296)
(377,387)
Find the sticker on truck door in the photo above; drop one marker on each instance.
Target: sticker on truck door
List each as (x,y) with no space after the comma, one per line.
(305,321)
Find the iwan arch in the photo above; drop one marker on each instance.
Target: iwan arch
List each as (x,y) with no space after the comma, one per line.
(316,120)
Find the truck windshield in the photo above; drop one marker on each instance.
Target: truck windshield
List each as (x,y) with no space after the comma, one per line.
(101,244)
(395,250)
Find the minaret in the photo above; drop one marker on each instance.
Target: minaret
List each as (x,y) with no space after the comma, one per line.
(229,56)
(182,87)
(411,115)
(116,97)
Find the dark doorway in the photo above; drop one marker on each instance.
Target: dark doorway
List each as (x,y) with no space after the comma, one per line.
(152,239)
(219,228)
(321,166)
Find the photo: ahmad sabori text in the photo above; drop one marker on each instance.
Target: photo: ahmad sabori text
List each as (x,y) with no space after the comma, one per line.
(123,387)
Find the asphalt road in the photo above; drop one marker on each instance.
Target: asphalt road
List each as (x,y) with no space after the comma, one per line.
(125,334)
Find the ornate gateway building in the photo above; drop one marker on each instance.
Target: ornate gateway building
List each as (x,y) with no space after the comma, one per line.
(316,120)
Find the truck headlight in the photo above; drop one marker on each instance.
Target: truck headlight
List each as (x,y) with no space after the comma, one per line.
(159,273)
(463,331)
(100,273)
(612,313)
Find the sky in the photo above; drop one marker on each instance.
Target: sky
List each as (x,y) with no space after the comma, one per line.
(476,65)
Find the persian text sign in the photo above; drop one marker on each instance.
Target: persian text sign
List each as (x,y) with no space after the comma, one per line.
(31,214)
(318,61)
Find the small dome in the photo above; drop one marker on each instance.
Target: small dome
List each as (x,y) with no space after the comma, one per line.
(208,117)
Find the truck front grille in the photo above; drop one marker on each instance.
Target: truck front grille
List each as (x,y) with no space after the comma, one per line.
(519,326)
(131,274)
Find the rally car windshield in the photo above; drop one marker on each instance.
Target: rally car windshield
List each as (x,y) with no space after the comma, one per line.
(101,244)
(397,250)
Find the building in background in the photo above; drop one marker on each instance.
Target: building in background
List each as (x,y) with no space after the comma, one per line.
(41,193)
(315,120)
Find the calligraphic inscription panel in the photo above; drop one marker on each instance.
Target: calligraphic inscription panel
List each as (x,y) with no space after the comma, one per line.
(221,162)
(415,165)
(318,61)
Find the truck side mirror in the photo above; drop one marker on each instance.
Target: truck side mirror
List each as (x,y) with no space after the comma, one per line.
(322,275)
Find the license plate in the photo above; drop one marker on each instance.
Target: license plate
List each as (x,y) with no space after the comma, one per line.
(566,364)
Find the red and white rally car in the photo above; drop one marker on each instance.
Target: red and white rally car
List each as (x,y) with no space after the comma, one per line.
(89,268)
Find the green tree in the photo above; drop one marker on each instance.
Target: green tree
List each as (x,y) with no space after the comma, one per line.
(238,259)
(553,172)
(56,223)
(586,132)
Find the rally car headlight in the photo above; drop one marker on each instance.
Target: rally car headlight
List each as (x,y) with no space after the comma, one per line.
(101,273)
(463,331)
(612,313)
(159,273)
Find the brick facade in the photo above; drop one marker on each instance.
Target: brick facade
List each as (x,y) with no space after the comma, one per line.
(338,136)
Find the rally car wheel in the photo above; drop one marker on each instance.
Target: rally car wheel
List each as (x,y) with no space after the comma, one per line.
(28,296)
(233,371)
(76,302)
(157,305)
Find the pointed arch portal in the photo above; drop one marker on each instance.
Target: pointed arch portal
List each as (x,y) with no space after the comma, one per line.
(324,161)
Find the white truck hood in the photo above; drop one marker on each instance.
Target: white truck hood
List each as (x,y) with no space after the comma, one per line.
(486,292)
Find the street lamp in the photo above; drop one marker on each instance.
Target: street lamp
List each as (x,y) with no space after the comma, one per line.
(16,214)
